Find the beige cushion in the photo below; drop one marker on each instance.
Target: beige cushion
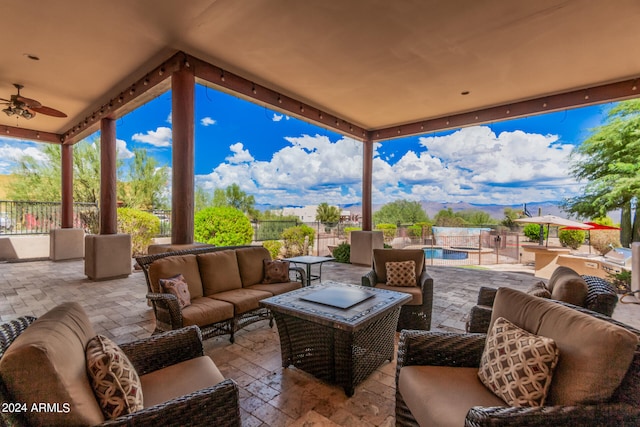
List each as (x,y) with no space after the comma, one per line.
(178,380)
(517,365)
(250,264)
(277,288)
(442,395)
(219,272)
(594,354)
(567,285)
(276,271)
(243,300)
(414,291)
(187,265)
(382,256)
(204,311)
(114,380)
(177,285)
(401,273)
(46,363)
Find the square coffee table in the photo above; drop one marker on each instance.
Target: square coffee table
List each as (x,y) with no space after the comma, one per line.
(338,345)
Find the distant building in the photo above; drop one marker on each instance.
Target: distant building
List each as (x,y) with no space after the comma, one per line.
(308,213)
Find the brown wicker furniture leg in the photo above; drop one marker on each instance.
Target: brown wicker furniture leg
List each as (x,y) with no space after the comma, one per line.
(338,345)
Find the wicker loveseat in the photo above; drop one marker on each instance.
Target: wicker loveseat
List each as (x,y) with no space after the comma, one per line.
(564,285)
(415,314)
(595,383)
(225,285)
(44,362)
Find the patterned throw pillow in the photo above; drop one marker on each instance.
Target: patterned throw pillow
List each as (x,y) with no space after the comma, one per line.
(517,365)
(114,380)
(401,273)
(539,290)
(276,271)
(177,285)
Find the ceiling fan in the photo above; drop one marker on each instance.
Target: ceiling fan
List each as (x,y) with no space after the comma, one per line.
(27,108)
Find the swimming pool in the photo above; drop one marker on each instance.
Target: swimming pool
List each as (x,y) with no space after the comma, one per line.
(440,253)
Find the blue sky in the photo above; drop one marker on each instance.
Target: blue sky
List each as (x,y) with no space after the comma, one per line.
(284,161)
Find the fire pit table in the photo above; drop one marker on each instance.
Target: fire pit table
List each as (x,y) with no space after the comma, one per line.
(338,332)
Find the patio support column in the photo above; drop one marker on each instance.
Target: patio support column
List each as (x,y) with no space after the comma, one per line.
(367,183)
(182,193)
(67,187)
(108,198)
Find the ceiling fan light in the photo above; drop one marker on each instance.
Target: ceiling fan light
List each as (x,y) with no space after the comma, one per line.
(27,114)
(8,111)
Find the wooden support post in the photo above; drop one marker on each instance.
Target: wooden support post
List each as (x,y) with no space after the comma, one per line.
(66,166)
(367,183)
(108,182)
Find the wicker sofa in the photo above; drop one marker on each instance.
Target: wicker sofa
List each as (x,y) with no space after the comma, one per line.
(415,314)
(225,285)
(595,383)
(564,285)
(44,362)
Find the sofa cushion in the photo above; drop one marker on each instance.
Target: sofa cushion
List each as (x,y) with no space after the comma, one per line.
(539,290)
(187,265)
(601,295)
(442,395)
(46,363)
(219,271)
(277,288)
(179,380)
(382,256)
(243,300)
(517,365)
(568,286)
(276,271)
(177,285)
(204,311)
(401,273)
(414,291)
(594,354)
(114,380)
(250,264)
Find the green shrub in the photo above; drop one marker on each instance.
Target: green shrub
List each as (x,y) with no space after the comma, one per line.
(142,226)
(532,231)
(272,229)
(222,226)
(294,240)
(415,230)
(342,253)
(273,246)
(572,238)
(388,231)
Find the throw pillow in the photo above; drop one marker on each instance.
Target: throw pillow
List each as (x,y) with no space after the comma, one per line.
(177,286)
(115,381)
(517,365)
(539,290)
(401,273)
(276,271)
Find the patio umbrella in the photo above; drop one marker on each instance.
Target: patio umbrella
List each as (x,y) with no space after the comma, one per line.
(556,221)
(594,226)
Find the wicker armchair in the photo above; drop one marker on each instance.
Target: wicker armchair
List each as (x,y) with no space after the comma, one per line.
(416,314)
(464,350)
(216,405)
(601,298)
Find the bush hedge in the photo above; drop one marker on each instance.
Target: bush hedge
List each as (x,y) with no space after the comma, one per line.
(222,226)
(342,253)
(572,238)
(294,240)
(142,226)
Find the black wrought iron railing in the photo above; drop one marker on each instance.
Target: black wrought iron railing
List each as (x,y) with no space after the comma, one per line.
(27,217)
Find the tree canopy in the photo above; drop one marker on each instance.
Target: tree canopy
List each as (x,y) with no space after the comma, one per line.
(400,211)
(327,214)
(608,162)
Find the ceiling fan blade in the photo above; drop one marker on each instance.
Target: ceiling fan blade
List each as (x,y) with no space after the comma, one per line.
(32,103)
(47,111)
(5,100)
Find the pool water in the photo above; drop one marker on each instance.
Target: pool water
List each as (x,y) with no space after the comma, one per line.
(440,253)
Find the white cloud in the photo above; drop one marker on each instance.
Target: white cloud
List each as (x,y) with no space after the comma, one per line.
(161,137)
(13,151)
(277,117)
(240,155)
(122,150)
(207,121)
(170,118)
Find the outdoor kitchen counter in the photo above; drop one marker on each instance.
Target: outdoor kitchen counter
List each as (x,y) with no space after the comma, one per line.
(546,258)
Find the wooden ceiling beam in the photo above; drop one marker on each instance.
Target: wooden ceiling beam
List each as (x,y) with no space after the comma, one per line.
(29,134)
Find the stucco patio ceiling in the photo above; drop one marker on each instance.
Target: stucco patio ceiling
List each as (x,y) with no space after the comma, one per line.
(384,68)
